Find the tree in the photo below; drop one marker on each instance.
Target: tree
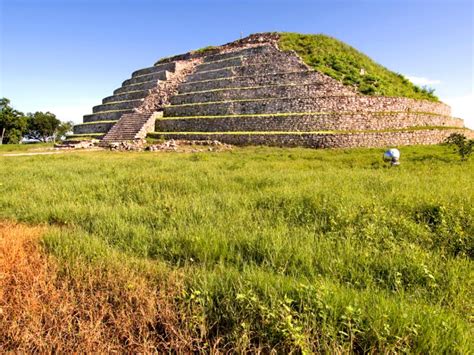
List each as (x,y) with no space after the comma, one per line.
(463,145)
(42,126)
(63,129)
(13,123)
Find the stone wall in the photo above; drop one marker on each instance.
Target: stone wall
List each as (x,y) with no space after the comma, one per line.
(149,126)
(309,104)
(307,122)
(292,90)
(314,140)
(99,127)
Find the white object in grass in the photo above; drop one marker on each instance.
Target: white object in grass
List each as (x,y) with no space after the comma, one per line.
(392,155)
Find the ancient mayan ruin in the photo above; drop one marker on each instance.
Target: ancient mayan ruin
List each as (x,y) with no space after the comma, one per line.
(251,92)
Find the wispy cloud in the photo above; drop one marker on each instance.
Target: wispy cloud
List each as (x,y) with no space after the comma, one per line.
(422,81)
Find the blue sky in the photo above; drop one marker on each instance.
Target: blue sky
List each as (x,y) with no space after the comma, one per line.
(66,55)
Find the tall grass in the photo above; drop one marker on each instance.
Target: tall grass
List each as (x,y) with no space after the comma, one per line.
(286,249)
(4,148)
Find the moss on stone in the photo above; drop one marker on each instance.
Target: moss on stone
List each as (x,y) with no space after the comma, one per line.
(90,135)
(287,114)
(96,122)
(411,129)
(207,49)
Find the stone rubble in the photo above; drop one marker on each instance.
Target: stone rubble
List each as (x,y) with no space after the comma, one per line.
(76,144)
(190,146)
(161,95)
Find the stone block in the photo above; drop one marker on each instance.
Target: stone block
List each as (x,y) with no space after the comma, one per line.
(156,68)
(119,105)
(96,127)
(160,75)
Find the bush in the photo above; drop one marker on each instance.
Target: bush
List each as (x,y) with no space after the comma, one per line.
(462,145)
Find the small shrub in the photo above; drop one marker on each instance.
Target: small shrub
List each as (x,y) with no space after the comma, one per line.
(463,146)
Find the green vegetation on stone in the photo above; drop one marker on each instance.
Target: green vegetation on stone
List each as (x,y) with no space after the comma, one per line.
(299,133)
(206,50)
(85,136)
(125,110)
(118,102)
(285,249)
(286,114)
(96,122)
(351,67)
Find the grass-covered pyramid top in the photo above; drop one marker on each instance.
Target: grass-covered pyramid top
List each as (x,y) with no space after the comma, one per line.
(351,67)
(333,58)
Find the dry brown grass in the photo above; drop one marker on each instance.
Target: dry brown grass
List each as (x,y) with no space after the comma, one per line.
(45,309)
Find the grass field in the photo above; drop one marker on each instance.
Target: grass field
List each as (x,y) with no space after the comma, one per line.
(18,148)
(258,248)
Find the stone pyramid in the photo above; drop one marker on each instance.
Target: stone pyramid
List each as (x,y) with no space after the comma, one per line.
(250,92)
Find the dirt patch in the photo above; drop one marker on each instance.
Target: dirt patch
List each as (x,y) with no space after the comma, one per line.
(45,309)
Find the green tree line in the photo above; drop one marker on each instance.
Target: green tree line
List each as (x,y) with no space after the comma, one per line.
(41,126)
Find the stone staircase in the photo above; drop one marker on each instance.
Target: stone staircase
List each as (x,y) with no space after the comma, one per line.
(125,100)
(131,126)
(256,89)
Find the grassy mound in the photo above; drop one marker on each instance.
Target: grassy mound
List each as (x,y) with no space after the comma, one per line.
(285,249)
(346,64)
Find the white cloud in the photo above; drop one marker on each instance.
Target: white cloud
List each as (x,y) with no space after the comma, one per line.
(422,81)
(462,107)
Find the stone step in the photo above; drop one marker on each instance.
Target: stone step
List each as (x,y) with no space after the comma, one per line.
(136,87)
(239,52)
(289,139)
(253,106)
(287,78)
(159,75)
(307,104)
(105,116)
(288,59)
(129,129)
(118,105)
(319,139)
(219,64)
(131,126)
(302,121)
(270,91)
(82,136)
(171,66)
(265,68)
(132,95)
(94,127)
